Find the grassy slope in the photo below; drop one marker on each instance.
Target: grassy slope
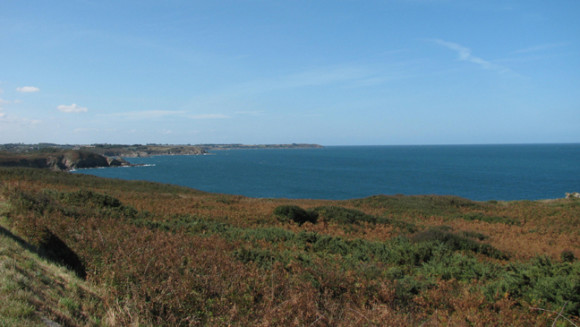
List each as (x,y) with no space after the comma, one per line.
(36,292)
(176,256)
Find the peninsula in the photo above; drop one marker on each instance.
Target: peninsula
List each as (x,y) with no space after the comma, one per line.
(65,157)
(60,160)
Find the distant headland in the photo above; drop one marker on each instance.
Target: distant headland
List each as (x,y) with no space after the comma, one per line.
(65,157)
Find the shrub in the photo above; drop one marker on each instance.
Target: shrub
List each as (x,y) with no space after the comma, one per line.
(262,258)
(541,281)
(104,204)
(567,256)
(456,242)
(421,204)
(25,201)
(475,235)
(296,214)
(344,216)
(351,216)
(85,197)
(489,219)
(408,288)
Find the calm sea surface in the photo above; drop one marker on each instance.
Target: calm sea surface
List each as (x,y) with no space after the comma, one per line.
(477,172)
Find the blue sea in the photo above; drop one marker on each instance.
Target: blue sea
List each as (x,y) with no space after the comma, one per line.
(477,172)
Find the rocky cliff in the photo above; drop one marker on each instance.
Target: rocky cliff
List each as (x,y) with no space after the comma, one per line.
(61,161)
(131,151)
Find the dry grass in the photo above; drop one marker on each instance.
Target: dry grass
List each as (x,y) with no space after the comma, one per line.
(33,291)
(190,258)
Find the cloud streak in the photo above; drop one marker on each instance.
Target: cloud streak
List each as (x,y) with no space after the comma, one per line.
(12,120)
(73,108)
(333,76)
(148,114)
(27,89)
(541,47)
(210,116)
(465,54)
(157,114)
(2,103)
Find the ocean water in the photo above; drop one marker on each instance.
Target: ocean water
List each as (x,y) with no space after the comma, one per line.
(477,172)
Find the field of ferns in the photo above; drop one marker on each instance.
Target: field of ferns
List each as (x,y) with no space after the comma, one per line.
(164,255)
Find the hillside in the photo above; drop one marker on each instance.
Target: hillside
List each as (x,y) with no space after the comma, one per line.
(34,291)
(137,150)
(59,160)
(154,254)
(143,150)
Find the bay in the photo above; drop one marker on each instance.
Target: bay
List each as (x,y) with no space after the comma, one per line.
(477,172)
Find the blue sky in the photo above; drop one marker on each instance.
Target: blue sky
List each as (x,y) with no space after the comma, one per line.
(340,72)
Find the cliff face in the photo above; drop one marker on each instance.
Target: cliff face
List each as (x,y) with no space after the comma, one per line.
(62,161)
(76,159)
(131,151)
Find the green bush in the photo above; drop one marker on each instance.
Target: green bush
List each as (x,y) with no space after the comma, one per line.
(567,256)
(551,285)
(407,288)
(488,219)
(262,258)
(351,216)
(457,243)
(85,197)
(419,204)
(81,202)
(26,201)
(344,216)
(296,214)
(475,235)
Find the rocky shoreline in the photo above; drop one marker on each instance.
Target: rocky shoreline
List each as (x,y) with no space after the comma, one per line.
(62,161)
(71,157)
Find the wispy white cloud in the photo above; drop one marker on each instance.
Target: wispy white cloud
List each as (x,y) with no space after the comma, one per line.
(27,89)
(249,113)
(73,108)
(2,103)
(12,120)
(308,78)
(323,77)
(148,114)
(85,130)
(210,116)
(465,54)
(157,114)
(15,120)
(340,75)
(541,47)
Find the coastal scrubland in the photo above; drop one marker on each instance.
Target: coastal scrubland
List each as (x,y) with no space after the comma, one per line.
(80,250)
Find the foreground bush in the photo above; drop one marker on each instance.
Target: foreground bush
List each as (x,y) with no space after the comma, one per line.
(296,214)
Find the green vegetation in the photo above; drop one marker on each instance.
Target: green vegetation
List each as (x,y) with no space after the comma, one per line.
(345,216)
(488,219)
(295,214)
(148,254)
(34,291)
